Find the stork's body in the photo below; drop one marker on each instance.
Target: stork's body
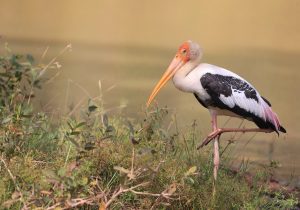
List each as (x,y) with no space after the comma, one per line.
(221,91)
(225,93)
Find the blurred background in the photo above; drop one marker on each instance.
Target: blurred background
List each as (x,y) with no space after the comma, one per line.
(128,44)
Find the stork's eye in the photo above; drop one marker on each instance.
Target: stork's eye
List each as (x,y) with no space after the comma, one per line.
(183,51)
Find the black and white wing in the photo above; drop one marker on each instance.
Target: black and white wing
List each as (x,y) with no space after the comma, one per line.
(230,92)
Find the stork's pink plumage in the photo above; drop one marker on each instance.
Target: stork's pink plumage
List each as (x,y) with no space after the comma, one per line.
(221,91)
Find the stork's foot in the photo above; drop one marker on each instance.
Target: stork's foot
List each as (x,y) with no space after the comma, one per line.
(210,137)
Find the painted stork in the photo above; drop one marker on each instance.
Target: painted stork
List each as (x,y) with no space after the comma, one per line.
(221,91)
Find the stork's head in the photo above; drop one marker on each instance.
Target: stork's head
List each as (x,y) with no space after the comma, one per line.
(189,51)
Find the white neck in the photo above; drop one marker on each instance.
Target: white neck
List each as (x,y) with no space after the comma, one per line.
(181,79)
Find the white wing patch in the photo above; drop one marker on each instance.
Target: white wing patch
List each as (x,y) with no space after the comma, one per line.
(239,99)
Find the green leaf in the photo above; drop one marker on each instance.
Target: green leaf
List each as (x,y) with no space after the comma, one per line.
(109,129)
(70,125)
(191,181)
(191,171)
(74,133)
(89,146)
(84,181)
(80,124)
(91,106)
(30,58)
(61,172)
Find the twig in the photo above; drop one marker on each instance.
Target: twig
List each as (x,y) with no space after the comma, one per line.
(44,53)
(122,190)
(114,196)
(102,191)
(165,195)
(68,47)
(54,206)
(79,201)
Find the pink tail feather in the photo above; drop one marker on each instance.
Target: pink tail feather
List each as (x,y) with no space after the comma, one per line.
(273,118)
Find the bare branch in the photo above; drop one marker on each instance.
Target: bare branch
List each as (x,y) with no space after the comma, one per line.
(122,190)
(54,206)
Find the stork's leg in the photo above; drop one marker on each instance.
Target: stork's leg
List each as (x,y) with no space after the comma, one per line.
(216,163)
(216,157)
(219,131)
(216,149)
(216,143)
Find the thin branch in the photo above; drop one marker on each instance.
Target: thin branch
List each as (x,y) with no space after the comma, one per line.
(54,206)
(122,190)
(146,193)
(102,191)
(114,196)
(68,47)
(165,195)
(79,202)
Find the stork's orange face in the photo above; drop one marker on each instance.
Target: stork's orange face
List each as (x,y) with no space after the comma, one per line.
(182,57)
(183,52)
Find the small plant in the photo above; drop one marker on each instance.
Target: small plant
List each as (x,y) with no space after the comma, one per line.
(18,76)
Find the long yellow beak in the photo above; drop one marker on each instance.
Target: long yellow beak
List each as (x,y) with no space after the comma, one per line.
(175,65)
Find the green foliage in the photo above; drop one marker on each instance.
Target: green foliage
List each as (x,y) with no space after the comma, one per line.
(98,160)
(21,129)
(18,77)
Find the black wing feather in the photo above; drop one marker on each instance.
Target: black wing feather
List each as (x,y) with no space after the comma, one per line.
(216,85)
(268,102)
